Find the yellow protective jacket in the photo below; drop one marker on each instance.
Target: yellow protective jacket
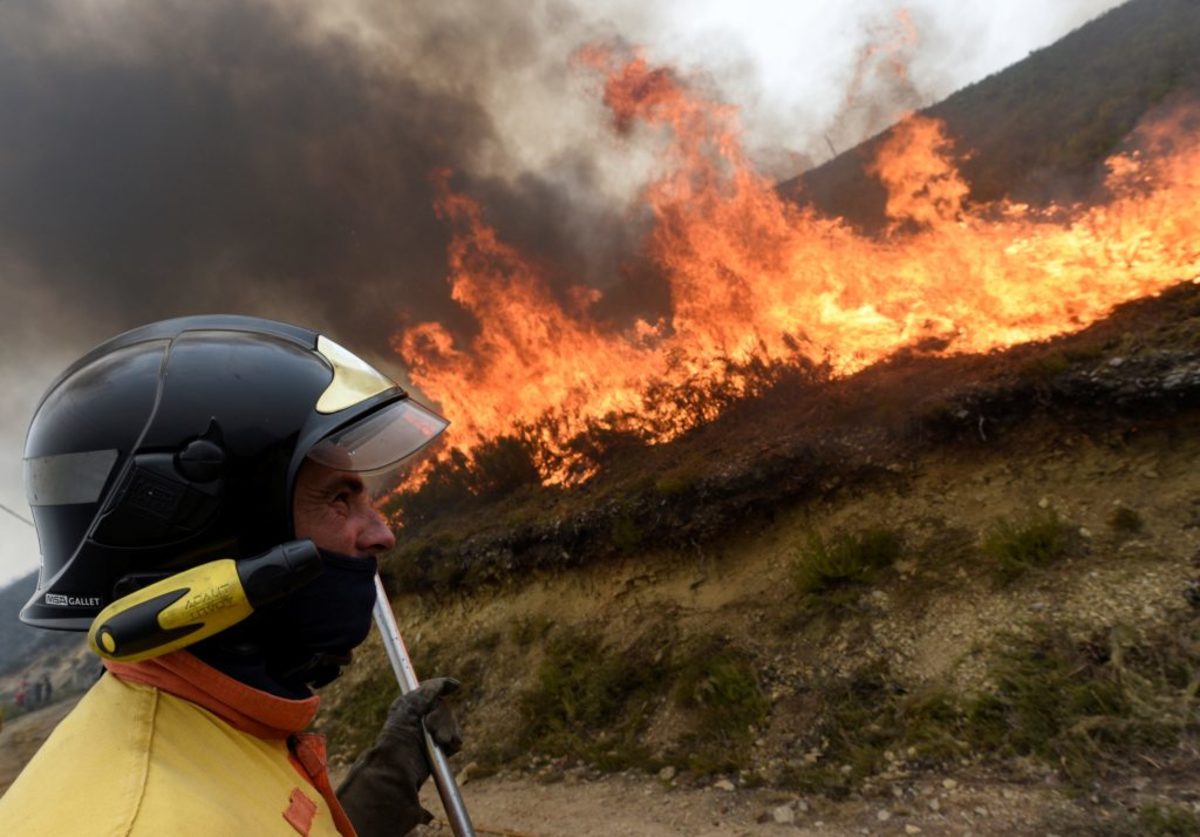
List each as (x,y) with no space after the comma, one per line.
(172,746)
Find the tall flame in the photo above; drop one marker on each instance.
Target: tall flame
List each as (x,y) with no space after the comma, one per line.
(758,282)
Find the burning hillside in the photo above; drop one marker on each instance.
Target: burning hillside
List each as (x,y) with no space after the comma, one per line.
(760,286)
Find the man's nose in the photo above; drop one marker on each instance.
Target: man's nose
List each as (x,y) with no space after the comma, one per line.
(375,536)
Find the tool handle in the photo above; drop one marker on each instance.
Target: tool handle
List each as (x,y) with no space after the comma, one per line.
(452,801)
(196,603)
(170,614)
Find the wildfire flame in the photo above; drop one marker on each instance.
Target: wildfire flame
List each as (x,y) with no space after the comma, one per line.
(759,282)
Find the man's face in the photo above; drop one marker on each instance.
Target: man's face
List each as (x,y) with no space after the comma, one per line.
(332,508)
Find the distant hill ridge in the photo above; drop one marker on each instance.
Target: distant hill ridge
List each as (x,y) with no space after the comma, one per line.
(1039,129)
(19,643)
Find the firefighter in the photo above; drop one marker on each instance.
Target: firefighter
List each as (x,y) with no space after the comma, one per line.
(225,460)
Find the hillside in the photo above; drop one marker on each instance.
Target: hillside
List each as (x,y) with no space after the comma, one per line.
(29,654)
(944,594)
(19,643)
(1039,129)
(942,586)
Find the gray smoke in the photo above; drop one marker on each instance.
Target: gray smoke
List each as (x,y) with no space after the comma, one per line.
(185,157)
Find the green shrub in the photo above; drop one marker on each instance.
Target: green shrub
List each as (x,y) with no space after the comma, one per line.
(1081,707)
(1037,540)
(360,712)
(502,465)
(863,718)
(526,630)
(1045,367)
(1125,521)
(589,702)
(495,469)
(675,484)
(1075,705)
(1167,820)
(718,687)
(844,560)
(626,534)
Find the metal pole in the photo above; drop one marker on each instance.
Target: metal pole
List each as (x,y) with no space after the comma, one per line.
(452,801)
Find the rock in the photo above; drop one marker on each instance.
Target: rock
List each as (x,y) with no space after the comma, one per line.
(949,784)
(724,785)
(912,829)
(667,773)
(783,815)
(801,806)
(465,774)
(883,815)
(935,805)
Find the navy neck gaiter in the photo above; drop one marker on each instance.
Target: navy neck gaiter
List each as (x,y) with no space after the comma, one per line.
(303,641)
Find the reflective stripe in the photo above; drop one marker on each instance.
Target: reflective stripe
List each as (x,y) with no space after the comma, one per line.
(354,380)
(67,478)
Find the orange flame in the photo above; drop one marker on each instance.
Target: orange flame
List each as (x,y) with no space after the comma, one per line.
(757,280)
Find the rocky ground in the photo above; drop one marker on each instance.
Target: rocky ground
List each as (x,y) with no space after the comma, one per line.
(21,737)
(875,693)
(641,806)
(933,618)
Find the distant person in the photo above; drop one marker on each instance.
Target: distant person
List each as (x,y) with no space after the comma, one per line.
(37,693)
(22,691)
(47,689)
(168,450)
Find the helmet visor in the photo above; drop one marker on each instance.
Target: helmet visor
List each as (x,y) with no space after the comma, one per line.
(380,441)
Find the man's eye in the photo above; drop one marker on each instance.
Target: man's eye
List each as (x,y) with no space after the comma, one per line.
(343,497)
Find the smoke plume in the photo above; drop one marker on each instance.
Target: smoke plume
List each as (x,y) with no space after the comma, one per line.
(275,158)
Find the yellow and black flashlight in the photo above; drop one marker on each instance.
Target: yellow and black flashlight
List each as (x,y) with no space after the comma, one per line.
(195,604)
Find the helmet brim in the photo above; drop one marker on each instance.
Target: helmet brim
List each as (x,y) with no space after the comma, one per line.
(380,441)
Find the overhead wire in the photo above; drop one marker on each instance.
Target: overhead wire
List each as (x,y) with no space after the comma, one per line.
(19,517)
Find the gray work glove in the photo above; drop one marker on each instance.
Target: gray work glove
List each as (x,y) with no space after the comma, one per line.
(380,793)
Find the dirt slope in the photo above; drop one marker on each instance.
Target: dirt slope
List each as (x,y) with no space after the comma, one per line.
(21,738)
(935,621)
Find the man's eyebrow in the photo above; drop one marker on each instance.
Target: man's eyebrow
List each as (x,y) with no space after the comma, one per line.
(348,482)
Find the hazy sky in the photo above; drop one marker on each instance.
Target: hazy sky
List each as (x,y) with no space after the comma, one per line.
(807,76)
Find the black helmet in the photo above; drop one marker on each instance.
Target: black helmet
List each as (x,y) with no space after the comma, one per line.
(179,442)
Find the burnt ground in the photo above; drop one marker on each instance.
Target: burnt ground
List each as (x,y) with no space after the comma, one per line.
(809,437)
(653,654)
